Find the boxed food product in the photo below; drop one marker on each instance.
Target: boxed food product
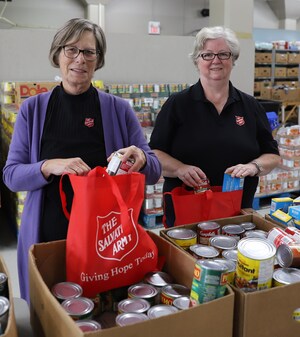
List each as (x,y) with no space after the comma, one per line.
(48,318)
(271,312)
(11,328)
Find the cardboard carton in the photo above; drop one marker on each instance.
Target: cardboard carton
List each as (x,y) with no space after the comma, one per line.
(266,313)
(48,318)
(11,329)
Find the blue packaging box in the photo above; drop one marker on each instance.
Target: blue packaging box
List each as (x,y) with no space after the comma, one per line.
(232,184)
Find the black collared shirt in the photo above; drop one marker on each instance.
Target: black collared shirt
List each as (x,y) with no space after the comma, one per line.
(190,129)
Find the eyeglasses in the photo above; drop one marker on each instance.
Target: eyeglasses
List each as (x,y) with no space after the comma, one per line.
(72,52)
(221,56)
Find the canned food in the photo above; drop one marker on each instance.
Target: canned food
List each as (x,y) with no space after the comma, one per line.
(288,255)
(144,291)
(256,233)
(137,305)
(160,310)
(172,291)
(182,302)
(200,251)
(278,236)
(87,325)
(255,264)
(203,186)
(184,237)
(4,310)
(128,318)
(231,265)
(294,233)
(248,225)
(230,254)
(223,242)
(117,166)
(209,282)
(283,276)
(79,307)
(3,285)
(158,279)
(206,230)
(66,290)
(233,230)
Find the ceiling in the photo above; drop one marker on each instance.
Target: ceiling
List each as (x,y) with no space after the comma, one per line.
(285,9)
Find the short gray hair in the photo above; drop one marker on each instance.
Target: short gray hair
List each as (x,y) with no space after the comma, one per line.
(73,30)
(212,33)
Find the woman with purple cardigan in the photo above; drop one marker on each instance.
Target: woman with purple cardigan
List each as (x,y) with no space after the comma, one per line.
(71,129)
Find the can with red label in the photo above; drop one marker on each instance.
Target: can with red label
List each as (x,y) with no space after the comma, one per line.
(278,236)
(172,291)
(233,230)
(288,255)
(206,230)
(117,166)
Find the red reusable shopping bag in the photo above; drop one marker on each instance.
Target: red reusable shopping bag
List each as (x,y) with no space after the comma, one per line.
(190,207)
(106,248)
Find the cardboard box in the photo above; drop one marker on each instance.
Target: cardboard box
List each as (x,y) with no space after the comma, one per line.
(48,318)
(11,329)
(265,313)
(293,57)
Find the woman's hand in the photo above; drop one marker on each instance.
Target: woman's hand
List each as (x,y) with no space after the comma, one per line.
(242,170)
(190,175)
(135,153)
(59,166)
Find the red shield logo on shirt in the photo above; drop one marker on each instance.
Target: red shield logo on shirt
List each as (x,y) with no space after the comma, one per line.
(89,122)
(239,120)
(114,239)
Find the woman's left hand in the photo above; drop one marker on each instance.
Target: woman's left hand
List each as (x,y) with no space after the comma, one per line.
(135,153)
(242,170)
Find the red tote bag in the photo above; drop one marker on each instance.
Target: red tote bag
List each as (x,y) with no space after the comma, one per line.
(106,248)
(190,207)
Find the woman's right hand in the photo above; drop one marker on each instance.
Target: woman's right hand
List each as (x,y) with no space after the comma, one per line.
(69,165)
(190,175)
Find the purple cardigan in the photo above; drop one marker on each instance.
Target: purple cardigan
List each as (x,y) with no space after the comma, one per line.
(22,169)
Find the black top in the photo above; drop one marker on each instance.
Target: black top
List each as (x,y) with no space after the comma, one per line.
(73,128)
(190,129)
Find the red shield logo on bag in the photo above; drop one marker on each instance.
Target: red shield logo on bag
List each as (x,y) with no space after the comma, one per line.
(114,239)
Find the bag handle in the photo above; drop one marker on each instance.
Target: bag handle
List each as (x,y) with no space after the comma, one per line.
(97,172)
(209,198)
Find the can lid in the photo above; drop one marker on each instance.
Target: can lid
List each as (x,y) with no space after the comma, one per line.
(78,306)
(3,278)
(233,229)
(284,255)
(223,242)
(181,233)
(182,302)
(176,290)
(248,225)
(213,264)
(204,251)
(160,310)
(256,248)
(4,305)
(133,305)
(231,265)
(128,318)
(208,225)
(66,290)
(230,254)
(142,290)
(256,233)
(287,275)
(87,325)
(158,279)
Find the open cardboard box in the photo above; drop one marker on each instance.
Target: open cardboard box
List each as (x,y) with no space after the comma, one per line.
(48,318)
(11,328)
(266,313)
